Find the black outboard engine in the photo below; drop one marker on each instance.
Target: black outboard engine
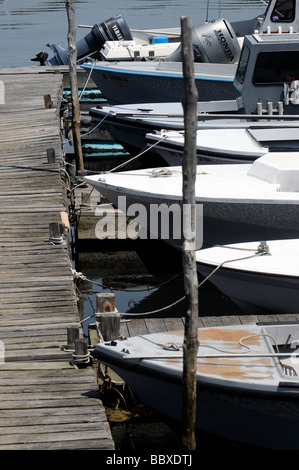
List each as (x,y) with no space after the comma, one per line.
(114,29)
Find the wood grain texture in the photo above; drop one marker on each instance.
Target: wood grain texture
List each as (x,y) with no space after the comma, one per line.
(45,402)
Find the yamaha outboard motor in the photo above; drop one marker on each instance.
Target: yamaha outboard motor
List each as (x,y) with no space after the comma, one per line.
(214,42)
(114,29)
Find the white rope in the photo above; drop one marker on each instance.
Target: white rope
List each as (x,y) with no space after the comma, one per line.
(199,285)
(79,275)
(171,346)
(176,302)
(87,80)
(81,358)
(89,132)
(147,149)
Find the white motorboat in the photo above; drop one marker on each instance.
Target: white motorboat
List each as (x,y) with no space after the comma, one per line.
(259,277)
(247,379)
(129,124)
(236,203)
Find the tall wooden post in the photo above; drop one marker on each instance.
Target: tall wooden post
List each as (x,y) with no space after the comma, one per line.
(74,85)
(189,246)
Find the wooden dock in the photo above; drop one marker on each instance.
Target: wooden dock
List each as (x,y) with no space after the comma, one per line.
(45,402)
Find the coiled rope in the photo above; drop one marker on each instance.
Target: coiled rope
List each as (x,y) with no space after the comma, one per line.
(172,346)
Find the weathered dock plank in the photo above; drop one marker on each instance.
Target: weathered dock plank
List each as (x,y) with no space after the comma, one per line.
(45,401)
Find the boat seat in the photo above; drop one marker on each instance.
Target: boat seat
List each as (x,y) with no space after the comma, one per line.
(276,168)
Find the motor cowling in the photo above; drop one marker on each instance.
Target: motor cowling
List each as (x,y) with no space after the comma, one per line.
(114,29)
(214,42)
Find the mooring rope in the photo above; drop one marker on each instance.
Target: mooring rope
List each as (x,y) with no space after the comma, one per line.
(149,288)
(176,302)
(87,80)
(89,132)
(146,149)
(198,286)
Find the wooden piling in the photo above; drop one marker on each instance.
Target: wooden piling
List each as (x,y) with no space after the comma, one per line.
(48,102)
(85,199)
(105,302)
(189,261)
(74,85)
(107,317)
(80,355)
(56,231)
(51,155)
(73,333)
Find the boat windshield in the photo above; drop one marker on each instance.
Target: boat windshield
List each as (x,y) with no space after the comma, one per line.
(283,11)
(276,67)
(242,66)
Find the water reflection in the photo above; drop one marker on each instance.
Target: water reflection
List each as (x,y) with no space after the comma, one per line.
(18,8)
(8,26)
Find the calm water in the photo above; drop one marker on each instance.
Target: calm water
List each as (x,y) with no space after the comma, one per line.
(27,26)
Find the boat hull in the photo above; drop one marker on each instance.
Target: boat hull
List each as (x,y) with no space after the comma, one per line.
(219,141)
(239,142)
(256,293)
(123,85)
(223,413)
(259,277)
(245,399)
(218,222)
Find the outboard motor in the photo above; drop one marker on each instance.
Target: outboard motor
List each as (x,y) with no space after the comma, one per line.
(214,42)
(114,29)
